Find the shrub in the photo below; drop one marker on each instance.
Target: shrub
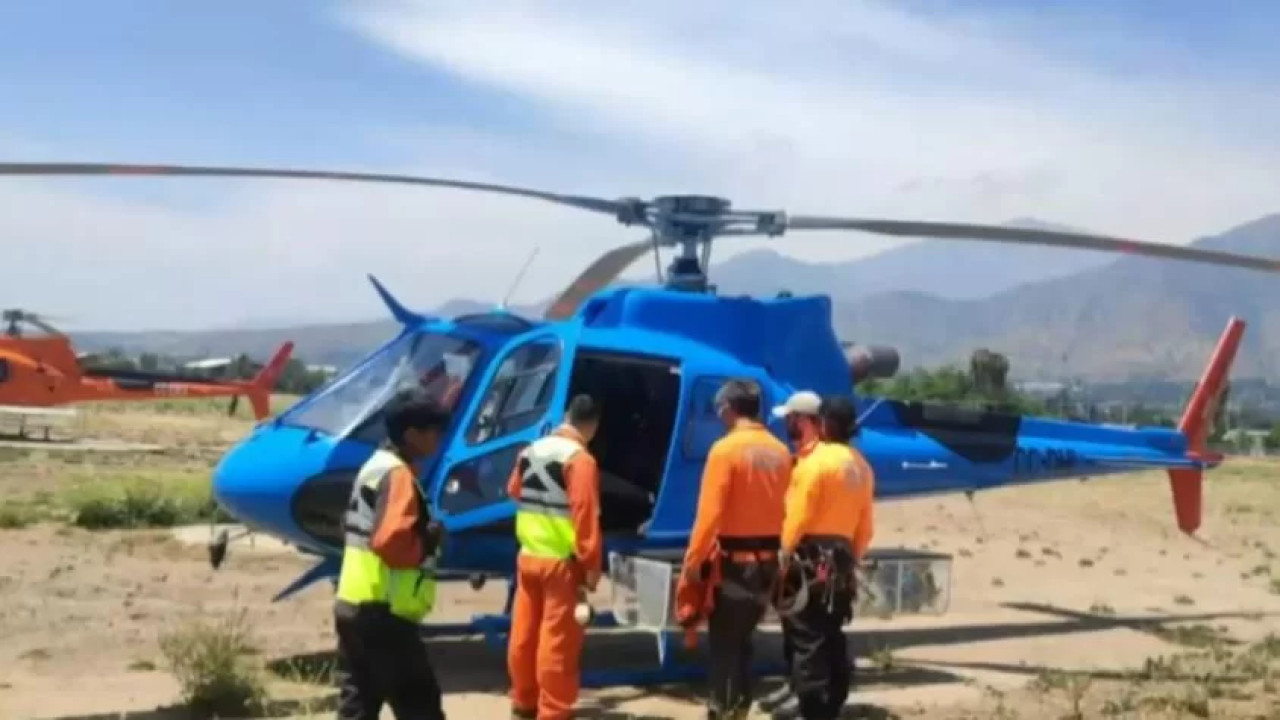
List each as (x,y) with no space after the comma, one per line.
(16,517)
(213,664)
(138,503)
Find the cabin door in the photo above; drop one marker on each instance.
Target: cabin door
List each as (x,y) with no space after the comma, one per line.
(521,398)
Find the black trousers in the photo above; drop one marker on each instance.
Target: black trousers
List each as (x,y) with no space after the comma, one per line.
(382,659)
(740,603)
(788,647)
(821,672)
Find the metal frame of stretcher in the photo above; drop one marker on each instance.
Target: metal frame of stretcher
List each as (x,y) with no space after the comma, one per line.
(902,582)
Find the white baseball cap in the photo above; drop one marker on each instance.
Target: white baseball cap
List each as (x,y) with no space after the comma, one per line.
(805,402)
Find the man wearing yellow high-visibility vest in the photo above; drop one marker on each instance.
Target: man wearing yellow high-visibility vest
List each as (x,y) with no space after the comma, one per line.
(387,583)
(556,485)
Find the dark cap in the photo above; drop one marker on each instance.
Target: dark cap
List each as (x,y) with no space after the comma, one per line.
(839,415)
(413,408)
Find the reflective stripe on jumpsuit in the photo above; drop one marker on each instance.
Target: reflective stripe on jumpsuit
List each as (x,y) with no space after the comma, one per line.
(545,646)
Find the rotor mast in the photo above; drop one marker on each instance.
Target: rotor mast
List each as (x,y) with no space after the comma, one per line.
(689,224)
(15,318)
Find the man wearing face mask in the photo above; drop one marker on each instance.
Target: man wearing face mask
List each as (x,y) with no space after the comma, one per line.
(804,430)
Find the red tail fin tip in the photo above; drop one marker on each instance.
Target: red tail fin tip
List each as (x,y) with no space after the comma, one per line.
(264,382)
(1197,418)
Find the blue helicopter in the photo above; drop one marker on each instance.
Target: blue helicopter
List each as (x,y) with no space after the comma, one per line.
(654,357)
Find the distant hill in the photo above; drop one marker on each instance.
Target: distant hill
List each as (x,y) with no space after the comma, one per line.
(339,344)
(1053,312)
(1131,318)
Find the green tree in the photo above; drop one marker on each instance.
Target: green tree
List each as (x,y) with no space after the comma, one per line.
(989,372)
(242,368)
(114,359)
(1272,441)
(984,384)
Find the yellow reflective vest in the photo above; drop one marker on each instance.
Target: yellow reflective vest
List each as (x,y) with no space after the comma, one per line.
(544,526)
(365,579)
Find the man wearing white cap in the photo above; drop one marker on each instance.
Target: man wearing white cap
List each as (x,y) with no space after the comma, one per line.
(800,413)
(802,407)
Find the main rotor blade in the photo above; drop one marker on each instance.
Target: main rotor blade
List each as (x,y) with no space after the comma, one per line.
(961,231)
(600,205)
(598,274)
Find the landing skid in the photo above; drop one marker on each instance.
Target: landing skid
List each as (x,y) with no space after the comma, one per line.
(901,582)
(496,628)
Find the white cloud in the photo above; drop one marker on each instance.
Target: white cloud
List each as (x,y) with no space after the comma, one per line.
(836,103)
(828,106)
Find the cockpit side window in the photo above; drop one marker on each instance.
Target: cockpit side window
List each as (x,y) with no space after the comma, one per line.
(4,370)
(702,426)
(520,391)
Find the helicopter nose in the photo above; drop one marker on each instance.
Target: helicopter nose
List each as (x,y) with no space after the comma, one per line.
(259,479)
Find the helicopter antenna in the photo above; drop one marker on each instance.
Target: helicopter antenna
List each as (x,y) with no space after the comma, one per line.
(519,276)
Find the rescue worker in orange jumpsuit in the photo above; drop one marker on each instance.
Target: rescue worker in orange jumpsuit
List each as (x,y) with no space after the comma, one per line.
(387,582)
(556,485)
(737,527)
(826,532)
(800,413)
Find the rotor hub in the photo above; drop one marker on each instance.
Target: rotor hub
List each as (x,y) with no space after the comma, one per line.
(692,204)
(688,219)
(689,222)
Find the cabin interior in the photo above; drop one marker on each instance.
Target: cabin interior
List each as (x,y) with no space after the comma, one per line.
(639,398)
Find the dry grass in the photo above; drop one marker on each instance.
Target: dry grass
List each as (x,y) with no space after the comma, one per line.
(1220,680)
(113,499)
(216,665)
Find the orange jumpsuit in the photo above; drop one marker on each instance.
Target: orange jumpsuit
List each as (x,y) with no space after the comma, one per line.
(737,527)
(743,487)
(545,646)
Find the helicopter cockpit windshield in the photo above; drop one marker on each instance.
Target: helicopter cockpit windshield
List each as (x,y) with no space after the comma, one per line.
(351,405)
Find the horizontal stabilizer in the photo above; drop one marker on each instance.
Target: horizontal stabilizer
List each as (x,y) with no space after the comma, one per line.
(1137,463)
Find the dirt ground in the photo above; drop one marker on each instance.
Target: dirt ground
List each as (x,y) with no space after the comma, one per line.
(1078,599)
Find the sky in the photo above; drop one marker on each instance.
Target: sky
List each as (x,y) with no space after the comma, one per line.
(1102,114)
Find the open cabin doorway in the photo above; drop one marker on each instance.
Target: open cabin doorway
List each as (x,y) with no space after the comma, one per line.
(639,396)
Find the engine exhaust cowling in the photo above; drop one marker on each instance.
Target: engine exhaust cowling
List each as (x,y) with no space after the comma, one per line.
(871,361)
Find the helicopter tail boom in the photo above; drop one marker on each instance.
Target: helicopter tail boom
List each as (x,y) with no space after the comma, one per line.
(1186,484)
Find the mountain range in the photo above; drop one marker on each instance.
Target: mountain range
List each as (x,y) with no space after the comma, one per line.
(1055,313)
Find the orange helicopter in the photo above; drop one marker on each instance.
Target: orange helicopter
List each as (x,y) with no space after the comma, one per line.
(43,371)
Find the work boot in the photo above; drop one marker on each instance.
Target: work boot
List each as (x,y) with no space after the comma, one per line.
(775,698)
(519,714)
